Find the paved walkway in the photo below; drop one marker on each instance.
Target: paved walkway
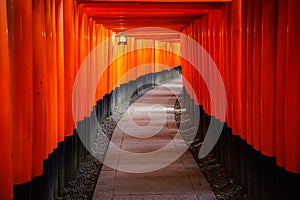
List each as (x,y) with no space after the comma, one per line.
(147,158)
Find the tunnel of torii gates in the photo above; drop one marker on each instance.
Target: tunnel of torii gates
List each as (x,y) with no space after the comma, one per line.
(255,45)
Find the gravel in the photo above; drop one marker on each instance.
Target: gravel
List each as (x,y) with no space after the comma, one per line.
(221,183)
(223,186)
(85,179)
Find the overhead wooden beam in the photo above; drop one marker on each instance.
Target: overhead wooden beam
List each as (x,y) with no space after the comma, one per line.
(156,1)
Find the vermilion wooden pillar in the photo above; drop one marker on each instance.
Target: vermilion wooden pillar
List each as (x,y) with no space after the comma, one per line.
(236,62)
(268,69)
(132,62)
(69,62)
(202,86)
(86,77)
(205,45)
(6,183)
(102,88)
(268,100)
(49,136)
(110,76)
(20,40)
(218,52)
(93,43)
(227,64)
(53,137)
(211,51)
(243,69)
(59,14)
(249,71)
(89,77)
(281,82)
(81,56)
(292,89)
(40,111)
(97,59)
(257,76)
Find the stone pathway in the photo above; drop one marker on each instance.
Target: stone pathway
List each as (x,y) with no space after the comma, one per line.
(147,157)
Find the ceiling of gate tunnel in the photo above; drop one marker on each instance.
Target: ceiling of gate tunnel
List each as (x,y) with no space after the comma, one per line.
(120,16)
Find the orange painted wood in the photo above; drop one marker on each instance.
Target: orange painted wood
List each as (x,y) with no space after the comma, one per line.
(243,69)
(120,16)
(76,51)
(98,58)
(217,60)
(256,53)
(59,14)
(94,67)
(269,41)
(260,76)
(21,76)
(40,97)
(53,137)
(236,61)
(82,45)
(50,135)
(205,64)
(210,49)
(257,76)
(280,117)
(50,123)
(292,97)
(89,69)
(179,1)
(201,91)
(69,62)
(224,51)
(6,176)
(227,63)
(249,71)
